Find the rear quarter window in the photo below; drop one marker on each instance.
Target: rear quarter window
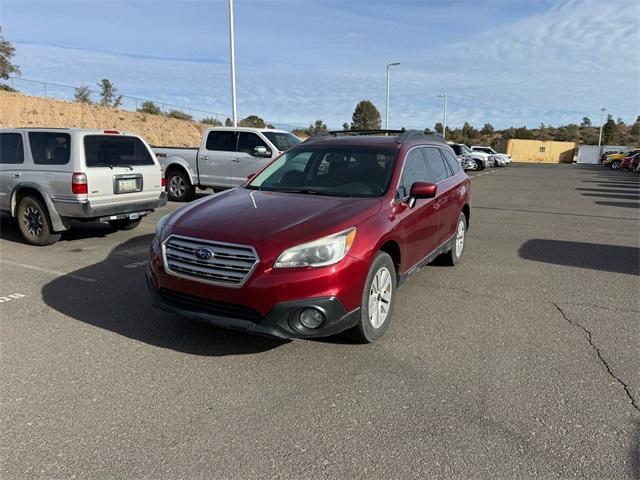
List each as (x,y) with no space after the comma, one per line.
(115,151)
(50,148)
(11,148)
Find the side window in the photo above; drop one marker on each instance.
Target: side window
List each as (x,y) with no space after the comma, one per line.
(221,141)
(453,163)
(248,142)
(415,170)
(50,148)
(11,149)
(439,171)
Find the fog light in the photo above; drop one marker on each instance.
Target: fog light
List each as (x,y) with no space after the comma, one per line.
(311,318)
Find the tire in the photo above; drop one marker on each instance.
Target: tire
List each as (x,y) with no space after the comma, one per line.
(125,224)
(616,164)
(371,328)
(34,222)
(454,256)
(481,165)
(179,188)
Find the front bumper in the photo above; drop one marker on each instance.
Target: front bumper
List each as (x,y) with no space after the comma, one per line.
(280,322)
(84,209)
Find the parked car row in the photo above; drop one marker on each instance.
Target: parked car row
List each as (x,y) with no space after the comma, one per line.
(478,157)
(625,160)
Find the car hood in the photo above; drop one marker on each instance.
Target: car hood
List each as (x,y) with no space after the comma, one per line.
(252,216)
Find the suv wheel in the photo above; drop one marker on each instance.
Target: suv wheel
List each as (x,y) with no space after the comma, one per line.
(179,187)
(453,256)
(377,300)
(34,223)
(473,164)
(125,224)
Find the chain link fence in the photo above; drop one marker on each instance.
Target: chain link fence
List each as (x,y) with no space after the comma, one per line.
(131,103)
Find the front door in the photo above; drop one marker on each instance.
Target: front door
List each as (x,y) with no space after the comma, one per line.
(214,158)
(245,161)
(418,225)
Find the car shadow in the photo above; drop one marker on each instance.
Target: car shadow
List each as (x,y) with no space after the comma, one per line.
(112,295)
(619,204)
(79,230)
(593,256)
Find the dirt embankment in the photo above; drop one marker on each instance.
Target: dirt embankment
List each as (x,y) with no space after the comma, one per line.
(17,110)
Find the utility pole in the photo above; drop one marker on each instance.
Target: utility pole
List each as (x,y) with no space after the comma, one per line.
(386,106)
(234,115)
(444,115)
(602,110)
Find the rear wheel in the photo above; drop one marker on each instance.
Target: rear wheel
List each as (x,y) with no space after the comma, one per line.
(453,256)
(179,187)
(125,224)
(34,223)
(378,299)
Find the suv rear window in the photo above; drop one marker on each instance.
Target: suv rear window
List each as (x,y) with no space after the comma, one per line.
(115,151)
(11,149)
(50,148)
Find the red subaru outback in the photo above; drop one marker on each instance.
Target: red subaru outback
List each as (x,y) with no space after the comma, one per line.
(319,240)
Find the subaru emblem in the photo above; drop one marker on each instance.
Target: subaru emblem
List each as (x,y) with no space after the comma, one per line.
(203,253)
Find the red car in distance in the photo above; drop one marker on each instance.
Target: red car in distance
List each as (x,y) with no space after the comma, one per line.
(319,240)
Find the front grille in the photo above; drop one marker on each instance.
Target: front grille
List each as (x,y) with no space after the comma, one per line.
(202,305)
(229,264)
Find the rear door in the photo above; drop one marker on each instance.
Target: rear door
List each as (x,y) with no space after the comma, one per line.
(441,174)
(245,161)
(11,165)
(119,169)
(418,225)
(214,158)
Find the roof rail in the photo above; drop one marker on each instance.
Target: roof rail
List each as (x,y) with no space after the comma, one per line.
(402,135)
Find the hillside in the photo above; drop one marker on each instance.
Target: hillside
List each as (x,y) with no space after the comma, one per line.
(17,110)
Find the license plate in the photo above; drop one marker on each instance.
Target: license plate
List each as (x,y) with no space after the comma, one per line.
(128,185)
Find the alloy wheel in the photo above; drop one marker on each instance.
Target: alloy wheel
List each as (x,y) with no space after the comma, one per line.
(177,186)
(380,295)
(33,221)
(460,238)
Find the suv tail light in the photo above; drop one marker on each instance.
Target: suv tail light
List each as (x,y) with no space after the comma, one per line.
(79,184)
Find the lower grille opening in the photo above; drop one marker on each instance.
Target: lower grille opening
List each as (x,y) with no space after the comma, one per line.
(211,307)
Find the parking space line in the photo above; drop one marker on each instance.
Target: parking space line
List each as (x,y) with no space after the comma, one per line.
(51,272)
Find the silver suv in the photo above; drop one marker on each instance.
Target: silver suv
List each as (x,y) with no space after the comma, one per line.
(50,176)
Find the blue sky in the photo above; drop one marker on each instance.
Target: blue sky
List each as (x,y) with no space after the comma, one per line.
(503,62)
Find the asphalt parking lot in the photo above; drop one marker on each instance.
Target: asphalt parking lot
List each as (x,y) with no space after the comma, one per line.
(522,362)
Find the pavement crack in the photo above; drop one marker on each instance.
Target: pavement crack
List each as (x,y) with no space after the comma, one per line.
(589,338)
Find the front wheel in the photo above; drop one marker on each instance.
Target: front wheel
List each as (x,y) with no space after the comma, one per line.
(34,223)
(378,299)
(453,256)
(616,165)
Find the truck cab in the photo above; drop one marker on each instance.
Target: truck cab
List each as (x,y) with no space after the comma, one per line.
(225,158)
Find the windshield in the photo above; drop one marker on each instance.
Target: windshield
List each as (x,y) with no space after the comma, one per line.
(324,170)
(465,149)
(282,140)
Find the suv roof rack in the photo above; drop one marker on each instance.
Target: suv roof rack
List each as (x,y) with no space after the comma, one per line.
(402,136)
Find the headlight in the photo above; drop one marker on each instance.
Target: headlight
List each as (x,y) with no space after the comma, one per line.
(319,253)
(159,224)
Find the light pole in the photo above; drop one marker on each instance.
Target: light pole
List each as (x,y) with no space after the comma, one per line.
(386,107)
(233,66)
(602,110)
(444,115)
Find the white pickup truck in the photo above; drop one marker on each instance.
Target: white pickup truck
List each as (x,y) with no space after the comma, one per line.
(226,157)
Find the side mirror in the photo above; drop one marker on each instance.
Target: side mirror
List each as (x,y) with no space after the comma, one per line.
(261,151)
(423,190)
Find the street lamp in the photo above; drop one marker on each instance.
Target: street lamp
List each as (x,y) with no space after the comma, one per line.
(444,115)
(602,110)
(233,65)
(386,107)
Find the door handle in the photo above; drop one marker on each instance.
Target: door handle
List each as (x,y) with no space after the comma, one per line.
(236,160)
(205,157)
(16,175)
